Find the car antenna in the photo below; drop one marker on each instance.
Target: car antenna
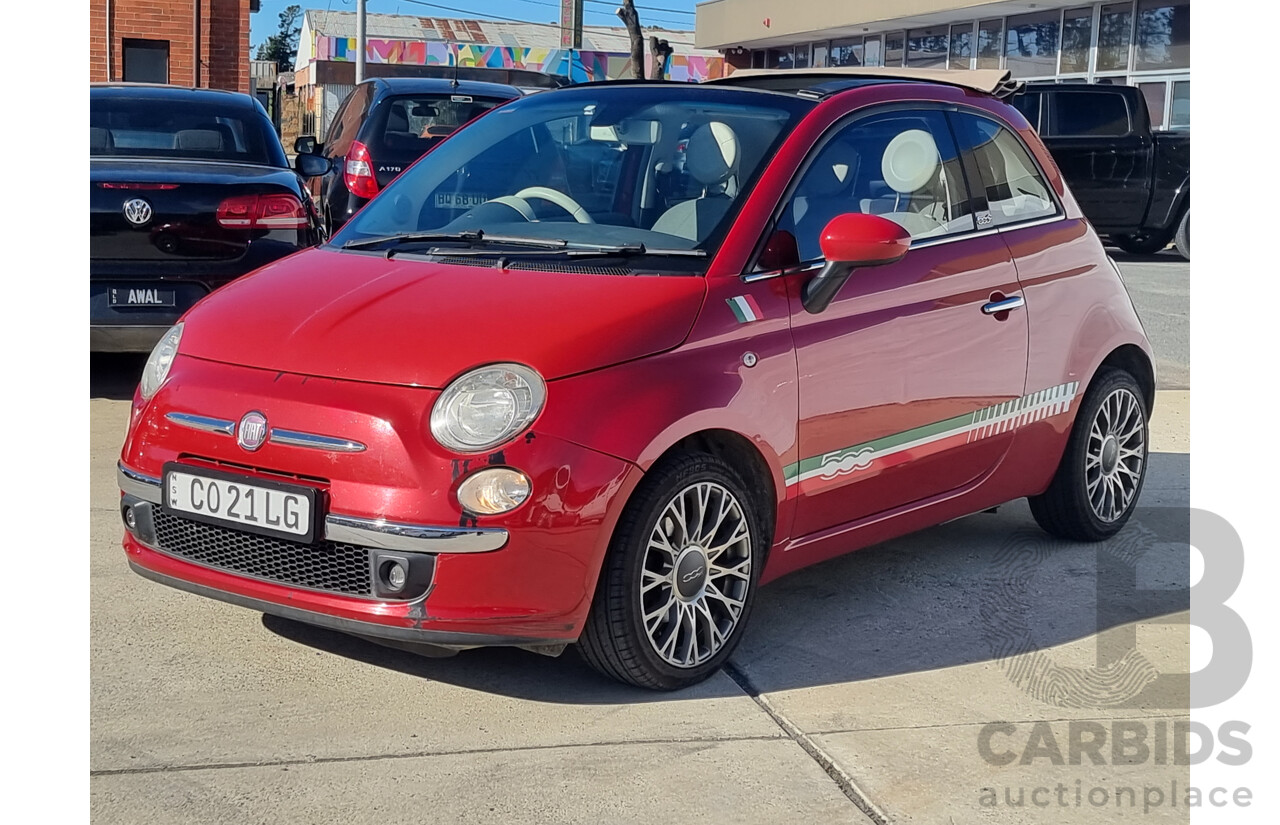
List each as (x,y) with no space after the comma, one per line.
(454,82)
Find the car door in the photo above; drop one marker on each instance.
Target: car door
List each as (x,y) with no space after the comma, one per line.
(907,380)
(1103,151)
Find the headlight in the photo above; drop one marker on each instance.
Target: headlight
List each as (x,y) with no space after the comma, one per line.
(157,368)
(486,407)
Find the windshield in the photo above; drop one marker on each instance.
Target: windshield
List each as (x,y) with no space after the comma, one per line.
(409,123)
(142,127)
(624,169)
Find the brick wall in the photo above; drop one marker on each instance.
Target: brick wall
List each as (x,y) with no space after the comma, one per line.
(224,39)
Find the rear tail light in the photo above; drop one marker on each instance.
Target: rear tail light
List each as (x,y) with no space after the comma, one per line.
(358,172)
(282,211)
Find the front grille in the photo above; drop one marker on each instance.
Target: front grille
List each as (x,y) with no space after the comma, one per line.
(325,565)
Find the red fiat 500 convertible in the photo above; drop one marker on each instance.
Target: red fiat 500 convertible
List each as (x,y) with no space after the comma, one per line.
(612,357)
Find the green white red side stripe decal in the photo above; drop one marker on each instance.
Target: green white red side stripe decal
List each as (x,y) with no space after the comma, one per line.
(745,308)
(824,470)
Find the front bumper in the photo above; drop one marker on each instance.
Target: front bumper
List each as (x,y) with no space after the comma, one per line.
(524,578)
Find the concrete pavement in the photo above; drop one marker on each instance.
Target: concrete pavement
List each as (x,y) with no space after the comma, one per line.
(861,693)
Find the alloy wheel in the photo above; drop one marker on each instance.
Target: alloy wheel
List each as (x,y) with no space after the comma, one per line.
(696,573)
(1114,455)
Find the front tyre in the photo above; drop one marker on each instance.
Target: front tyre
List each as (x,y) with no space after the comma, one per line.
(1183,239)
(1096,488)
(679,579)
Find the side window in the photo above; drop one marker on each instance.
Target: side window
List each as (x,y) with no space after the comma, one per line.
(1015,189)
(1090,114)
(900,165)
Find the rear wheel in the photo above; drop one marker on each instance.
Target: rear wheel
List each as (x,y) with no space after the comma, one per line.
(1183,238)
(1141,243)
(1096,488)
(679,581)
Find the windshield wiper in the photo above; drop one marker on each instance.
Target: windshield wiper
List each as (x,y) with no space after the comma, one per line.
(477,237)
(588,250)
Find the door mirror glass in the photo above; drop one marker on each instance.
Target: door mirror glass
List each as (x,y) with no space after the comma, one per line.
(311,166)
(848,242)
(305,145)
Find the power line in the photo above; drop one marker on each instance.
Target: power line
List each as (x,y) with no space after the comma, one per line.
(608,13)
(643,8)
(469,14)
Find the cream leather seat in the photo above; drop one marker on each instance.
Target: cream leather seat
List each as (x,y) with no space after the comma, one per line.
(711,158)
(912,169)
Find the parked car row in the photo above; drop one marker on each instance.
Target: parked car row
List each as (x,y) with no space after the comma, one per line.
(614,356)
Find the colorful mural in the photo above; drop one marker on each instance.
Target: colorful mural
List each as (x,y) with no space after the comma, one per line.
(580,66)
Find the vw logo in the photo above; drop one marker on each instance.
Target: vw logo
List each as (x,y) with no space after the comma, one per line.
(137,211)
(252,432)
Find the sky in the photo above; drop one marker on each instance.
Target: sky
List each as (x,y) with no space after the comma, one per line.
(670,14)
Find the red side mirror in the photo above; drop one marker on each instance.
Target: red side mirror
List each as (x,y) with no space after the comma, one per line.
(863,240)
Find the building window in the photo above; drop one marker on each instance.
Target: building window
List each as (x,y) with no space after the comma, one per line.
(779,59)
(757,59)
(873,51)
(895,49)
(1180,111)
(821,59)
(146,61)
(1031,45)
(1077,32)
(846,52)
(1115,28)
(1164,35)
(961,46)
(989,40)
(1154,94)
(800,59)
(927,48)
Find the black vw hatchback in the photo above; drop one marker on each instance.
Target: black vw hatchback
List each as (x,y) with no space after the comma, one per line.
(188,189)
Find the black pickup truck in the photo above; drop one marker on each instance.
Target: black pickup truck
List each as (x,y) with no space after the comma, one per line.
(1133,183)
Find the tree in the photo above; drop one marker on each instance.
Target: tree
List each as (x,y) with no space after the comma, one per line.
(282,47)
(631,19)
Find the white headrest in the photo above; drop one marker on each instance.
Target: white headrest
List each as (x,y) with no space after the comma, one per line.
(712,154)
(910,161)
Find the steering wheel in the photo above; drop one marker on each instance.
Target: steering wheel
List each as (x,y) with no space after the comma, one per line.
(560,199)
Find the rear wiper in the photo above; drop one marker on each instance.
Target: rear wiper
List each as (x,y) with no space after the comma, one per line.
(477,237)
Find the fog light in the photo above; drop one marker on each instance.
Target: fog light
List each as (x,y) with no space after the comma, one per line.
(395,576)
(492,491)
(130,520)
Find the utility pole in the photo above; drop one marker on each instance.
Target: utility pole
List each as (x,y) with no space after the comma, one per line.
(360,39)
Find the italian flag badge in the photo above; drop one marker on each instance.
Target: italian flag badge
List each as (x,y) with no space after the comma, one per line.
(745,308)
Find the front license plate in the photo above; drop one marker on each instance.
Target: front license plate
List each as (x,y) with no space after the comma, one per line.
(256,506)
(141,297)
(459,200)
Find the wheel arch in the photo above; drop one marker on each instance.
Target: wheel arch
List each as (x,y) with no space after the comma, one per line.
(746,458)
(1133,360)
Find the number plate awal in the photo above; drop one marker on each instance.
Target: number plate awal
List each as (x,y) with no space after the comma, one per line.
(252,505)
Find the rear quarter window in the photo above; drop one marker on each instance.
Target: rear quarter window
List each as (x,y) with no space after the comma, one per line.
(1089,114)
(1015,188)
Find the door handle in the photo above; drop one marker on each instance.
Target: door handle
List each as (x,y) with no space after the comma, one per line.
(1003,305)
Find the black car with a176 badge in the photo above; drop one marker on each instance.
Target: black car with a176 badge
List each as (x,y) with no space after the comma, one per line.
(189,189)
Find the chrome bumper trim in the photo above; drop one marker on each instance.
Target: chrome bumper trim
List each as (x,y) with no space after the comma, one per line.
(379,534)
(136,484)
(412,538)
